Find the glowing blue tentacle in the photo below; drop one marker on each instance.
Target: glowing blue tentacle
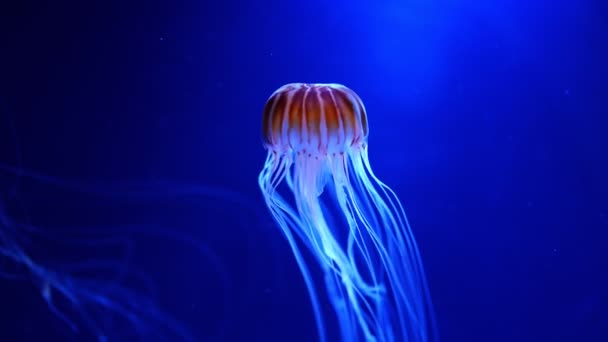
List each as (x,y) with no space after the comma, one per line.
(378,235)
(274,171)
(397,225)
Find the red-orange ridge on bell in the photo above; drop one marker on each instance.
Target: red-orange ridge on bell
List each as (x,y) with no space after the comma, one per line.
(314,119)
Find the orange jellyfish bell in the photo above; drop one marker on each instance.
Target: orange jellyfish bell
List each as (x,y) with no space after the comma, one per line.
(314,119)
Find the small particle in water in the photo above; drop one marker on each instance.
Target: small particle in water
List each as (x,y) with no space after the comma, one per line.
(567,92)
(162,38)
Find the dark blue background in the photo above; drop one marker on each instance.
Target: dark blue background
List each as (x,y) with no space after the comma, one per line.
(489,120)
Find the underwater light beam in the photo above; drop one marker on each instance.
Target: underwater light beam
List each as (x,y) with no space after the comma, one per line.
(316,138)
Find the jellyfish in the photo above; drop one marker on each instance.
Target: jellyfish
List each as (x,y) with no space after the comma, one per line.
(88,276)
(347,229)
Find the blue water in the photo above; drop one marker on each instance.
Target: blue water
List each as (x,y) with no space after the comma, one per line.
(130,145)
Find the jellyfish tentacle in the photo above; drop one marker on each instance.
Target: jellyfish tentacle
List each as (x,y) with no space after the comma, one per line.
(275,170)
